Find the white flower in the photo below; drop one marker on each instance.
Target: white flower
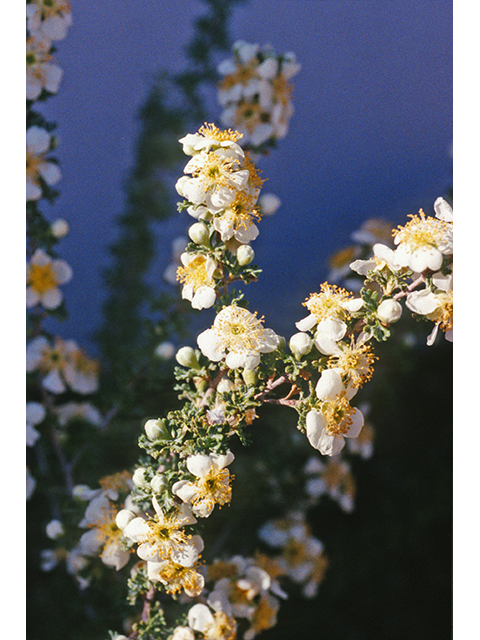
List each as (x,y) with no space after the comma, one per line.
(165,350)
(103,533)
(212,626)
(436,305)
(196,273)
(62,363)
(217,173)
(60,228)
(162,537)
(238,337)
(328,311)
(255,92)
(212,484)
(335,420)
(423,242)
(383,256)
(42,73)
(50,20)
(176,577)
(44,275)
(38,166)
(443,211)
(182,633)
(268,204)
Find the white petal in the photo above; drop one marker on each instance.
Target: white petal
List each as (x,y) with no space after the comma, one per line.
(200,617)
(357,424)
(199,464)
(329,385)
(211,345)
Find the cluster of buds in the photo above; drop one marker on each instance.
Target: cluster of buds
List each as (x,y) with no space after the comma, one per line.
(255,93)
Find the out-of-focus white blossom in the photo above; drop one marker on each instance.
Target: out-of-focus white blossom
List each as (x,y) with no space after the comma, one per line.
(49,19)
(44,275)
(255,92)
(42,73)
(35,414)
(39,167)
(62,364)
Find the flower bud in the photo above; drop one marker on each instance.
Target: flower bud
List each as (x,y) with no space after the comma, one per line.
(54,529)
(300,344)
(250,377)
(158,483)
(165,350)
(186,357)
(389,311)
(156,430)
(245,254)
(139,479)
(199,233)
(60,228)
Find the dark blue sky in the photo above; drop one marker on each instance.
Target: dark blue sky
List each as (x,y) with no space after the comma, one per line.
(371,134)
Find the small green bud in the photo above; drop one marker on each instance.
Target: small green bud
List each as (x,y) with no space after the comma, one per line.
(139,479)
(199,234)
(300,344)
(250,377)
(156,430)
(158,483)
(186,357)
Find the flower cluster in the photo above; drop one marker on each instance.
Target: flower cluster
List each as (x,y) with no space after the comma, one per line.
(301,558)
(255,93)
(220,189)
(58,370)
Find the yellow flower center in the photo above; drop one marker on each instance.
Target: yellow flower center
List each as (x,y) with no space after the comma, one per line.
(211,131)
(42,278)
(356,363)
(215,171)
(214,485)
(443,314)
(421,231)
(241,330)
(33,164)
(175,577)
(329,302)
(195,273)
(265,615)
(338,414)
(223,628)
(342,257)
(242,75)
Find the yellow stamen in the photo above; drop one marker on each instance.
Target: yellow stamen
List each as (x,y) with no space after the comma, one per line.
(42,278)
(338,413)
(421,231)
(329,302)
(195,273)
(211,131)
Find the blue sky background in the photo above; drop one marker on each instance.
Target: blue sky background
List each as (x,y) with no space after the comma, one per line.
(371,135)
